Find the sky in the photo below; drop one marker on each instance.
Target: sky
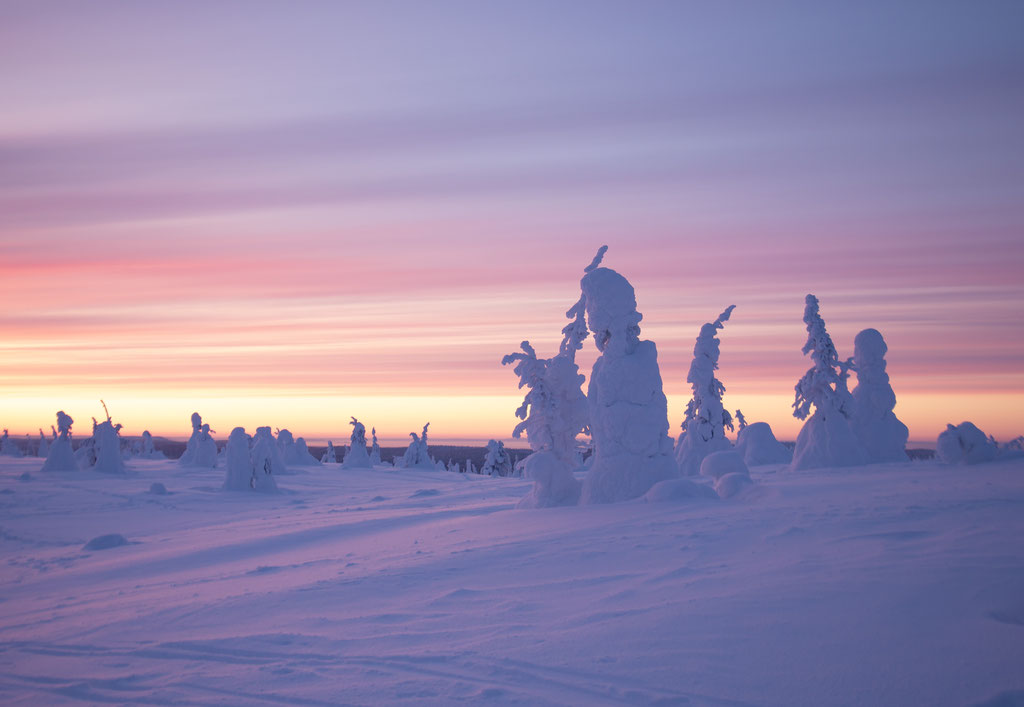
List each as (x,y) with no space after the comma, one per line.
(289,214)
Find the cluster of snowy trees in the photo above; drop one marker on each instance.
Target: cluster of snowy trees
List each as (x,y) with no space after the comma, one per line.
(624,409)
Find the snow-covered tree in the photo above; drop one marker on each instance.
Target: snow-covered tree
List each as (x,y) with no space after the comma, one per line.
(205,455)
(627,409)
(706,418)
(7,446)
(61,457)
(741,421)
(44,446)
(189,456)
(329,456)
(375,459)
(357,457)
(107,438)
(826,438)
(417,456)
(873,421)
(497,462)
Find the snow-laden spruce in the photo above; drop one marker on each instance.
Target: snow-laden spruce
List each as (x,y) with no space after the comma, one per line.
(201,450)
(329,457)
(874,422)
(627,409)
(497,462)
(61,457)
(375,459)
(145,448)
(44,446)
(706,418)
(553,413)
(189,455)
(826,438)
(756,443)
(7,446)
(417,456)
(965,444)
(249,470)
(357,456)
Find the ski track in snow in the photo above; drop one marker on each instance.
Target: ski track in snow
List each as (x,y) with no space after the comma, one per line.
(887,584)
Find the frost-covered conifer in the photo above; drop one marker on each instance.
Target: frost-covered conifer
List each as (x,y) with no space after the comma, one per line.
(826,438)
(265,441)
(417,456)
(61,457)
(329,456)
(874,422)
(627,410)
(553,413)
(497,462)
(266,461)
(7,446)
(238,463)
(205,455)
(375,459)
(189,457)
(357,457)
(741,422)
(108,446)
(147,449)
(44,446)
(706,418)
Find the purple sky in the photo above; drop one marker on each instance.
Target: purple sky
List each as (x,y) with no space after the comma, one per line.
(286,211)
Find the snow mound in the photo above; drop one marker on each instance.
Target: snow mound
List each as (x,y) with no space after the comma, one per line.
(678,490)
(757,444)
(965,444)
(553,482)
(718,464)
(729,485)
(158,489)
(106,542)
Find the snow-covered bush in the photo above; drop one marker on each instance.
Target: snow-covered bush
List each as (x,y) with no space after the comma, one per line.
(627,409)
(965,444)
(357,457)
(757,445)
(706,418)
(61,457)
(826,438)
(874,422)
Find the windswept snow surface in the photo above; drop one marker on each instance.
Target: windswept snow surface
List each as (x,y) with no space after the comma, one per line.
(892,584)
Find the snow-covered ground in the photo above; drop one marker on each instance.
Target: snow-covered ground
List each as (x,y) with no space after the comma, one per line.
(898,584)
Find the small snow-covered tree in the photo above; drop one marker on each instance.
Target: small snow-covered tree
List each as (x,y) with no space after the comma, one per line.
(706,418)
(497,462)
(375,459)
(741,421)
(357,457)
(7,446)
(107,437)
(826,438)
(329,457)
(417,456)
(189,456)
(61,457)
(44,446)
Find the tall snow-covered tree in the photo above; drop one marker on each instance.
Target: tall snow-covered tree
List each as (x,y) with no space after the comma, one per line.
(706,418)
(826,438)
(873,420)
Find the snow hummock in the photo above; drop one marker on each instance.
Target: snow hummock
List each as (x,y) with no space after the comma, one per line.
(874,422)
(627,408)
(826,439)
(357,456)
(718,464)
(757,445)
(965,444)
(61,457)
(706,418)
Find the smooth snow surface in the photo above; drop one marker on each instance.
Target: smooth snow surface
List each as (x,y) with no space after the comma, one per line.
(892,584)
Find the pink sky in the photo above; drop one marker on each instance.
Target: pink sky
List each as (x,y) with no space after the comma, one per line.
(289,218)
